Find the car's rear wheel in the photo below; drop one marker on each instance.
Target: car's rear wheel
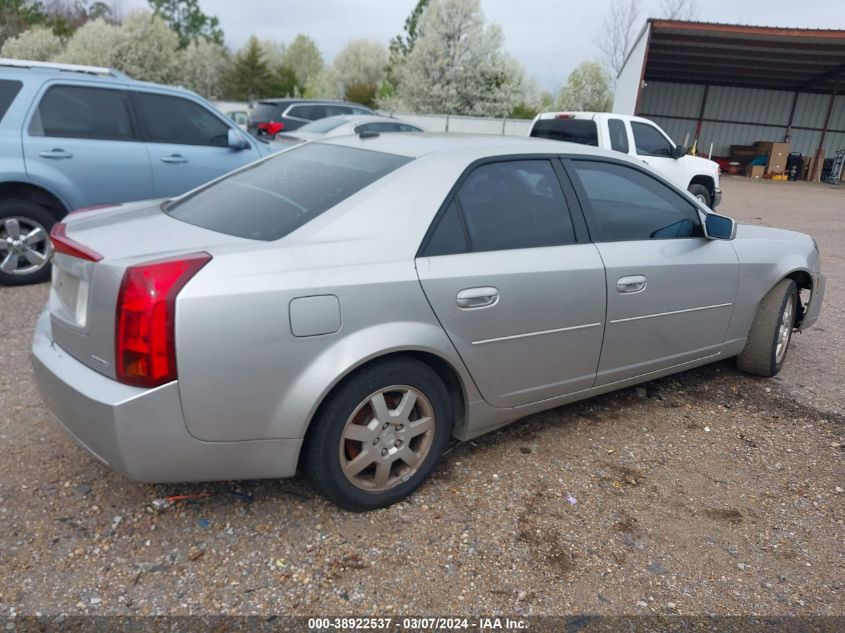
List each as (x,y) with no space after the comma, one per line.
(25,247)
(768,342)
(702,193)
(379,435)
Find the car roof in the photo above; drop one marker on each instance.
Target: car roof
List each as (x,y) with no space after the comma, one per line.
(357,119)
(474,146)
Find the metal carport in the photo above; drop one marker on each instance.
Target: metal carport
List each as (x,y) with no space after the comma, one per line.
(730,84)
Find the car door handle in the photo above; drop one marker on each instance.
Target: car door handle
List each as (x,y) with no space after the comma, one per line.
(56,154)
(471,298)
(631,284)
(174,158)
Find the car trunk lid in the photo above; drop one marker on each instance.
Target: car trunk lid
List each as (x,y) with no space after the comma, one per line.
(93,251)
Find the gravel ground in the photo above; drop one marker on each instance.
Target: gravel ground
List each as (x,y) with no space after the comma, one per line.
(705,492)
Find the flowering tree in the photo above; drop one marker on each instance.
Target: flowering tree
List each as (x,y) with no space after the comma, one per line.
(201,66)
(587,89)
(37,44)
(458,65)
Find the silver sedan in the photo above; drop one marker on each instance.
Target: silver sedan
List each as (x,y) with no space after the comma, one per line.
(350,304)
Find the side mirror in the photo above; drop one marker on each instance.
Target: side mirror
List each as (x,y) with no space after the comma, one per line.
(719,227)
(679,152)
(236,140)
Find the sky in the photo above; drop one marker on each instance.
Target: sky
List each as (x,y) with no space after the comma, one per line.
(549,37)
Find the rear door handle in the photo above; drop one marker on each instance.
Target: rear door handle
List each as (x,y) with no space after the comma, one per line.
(174,158)
(471,298)
(631,284)
(56,154)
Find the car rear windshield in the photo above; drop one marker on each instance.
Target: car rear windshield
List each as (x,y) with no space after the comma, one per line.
(274,197)
(581,131)
(8,91)
(265,111)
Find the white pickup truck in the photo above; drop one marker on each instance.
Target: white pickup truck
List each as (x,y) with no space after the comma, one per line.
(637,137)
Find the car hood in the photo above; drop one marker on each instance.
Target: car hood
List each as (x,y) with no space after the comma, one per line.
(703,165)
(756,232)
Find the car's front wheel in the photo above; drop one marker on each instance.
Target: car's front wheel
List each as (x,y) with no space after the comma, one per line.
(770,335)
(379,434)
(25,247)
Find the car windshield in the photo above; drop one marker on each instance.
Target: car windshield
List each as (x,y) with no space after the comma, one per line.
(323,126)
(274,197)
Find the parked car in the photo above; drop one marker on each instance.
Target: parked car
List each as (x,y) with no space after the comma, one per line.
(240,117)
(80,136)
(637,137)
(375,296)
(346,124)
(271,116)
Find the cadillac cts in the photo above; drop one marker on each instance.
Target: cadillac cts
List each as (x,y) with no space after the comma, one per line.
(347,306)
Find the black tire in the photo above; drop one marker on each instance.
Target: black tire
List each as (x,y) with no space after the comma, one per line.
(323,451)
(760,357)
(36,214)
(702,193)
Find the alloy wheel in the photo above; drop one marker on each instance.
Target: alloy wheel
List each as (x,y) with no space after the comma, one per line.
(785,329)
(387,438)
(25,246)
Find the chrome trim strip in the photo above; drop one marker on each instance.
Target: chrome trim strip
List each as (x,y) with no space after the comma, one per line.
(540,333)
(660,314)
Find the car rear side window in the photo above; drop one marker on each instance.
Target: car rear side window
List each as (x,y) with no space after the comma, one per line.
(180,121)
(581,131)
(618,135)
(311,112)
(8,91)
(449,236)
(80,112)
(508,205)
(649,140)
(628,204)
(274,197)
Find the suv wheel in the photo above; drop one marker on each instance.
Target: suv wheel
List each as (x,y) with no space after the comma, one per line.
(702,193)
(25,247)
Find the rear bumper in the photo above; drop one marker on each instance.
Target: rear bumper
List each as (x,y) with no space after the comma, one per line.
(141,433)
(811,315)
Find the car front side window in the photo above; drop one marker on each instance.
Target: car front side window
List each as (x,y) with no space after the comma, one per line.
(180,121)
(628,204)
(649,141)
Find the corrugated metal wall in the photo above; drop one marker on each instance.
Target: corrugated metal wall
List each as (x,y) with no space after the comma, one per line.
(741,116)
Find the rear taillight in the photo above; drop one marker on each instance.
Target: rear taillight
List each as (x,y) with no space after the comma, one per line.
(145,342)
(63,244)
(272,128)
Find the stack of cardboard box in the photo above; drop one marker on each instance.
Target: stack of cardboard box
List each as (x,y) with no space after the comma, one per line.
(777,154)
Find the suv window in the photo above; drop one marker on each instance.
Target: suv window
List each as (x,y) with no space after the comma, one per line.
(265,111)
(513,204)
(8,91)
(628,204)
(581,131)
(618,135)
(310,112)
(80,112)
(649,140)
(176,120)
(276,196)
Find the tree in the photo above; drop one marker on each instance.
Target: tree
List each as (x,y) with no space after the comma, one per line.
(283,82)
(37,44)
(16,16)
(679,9)
(303,57)
(457,65)
(187,19)
(361,62)
(148,50)
(201,66)
(66,16)
(325,85)
(401,45)
(95,43)
(617,35)
(247,76)
(586,90)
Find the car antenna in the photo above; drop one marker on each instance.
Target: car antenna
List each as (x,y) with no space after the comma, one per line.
(364,135)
